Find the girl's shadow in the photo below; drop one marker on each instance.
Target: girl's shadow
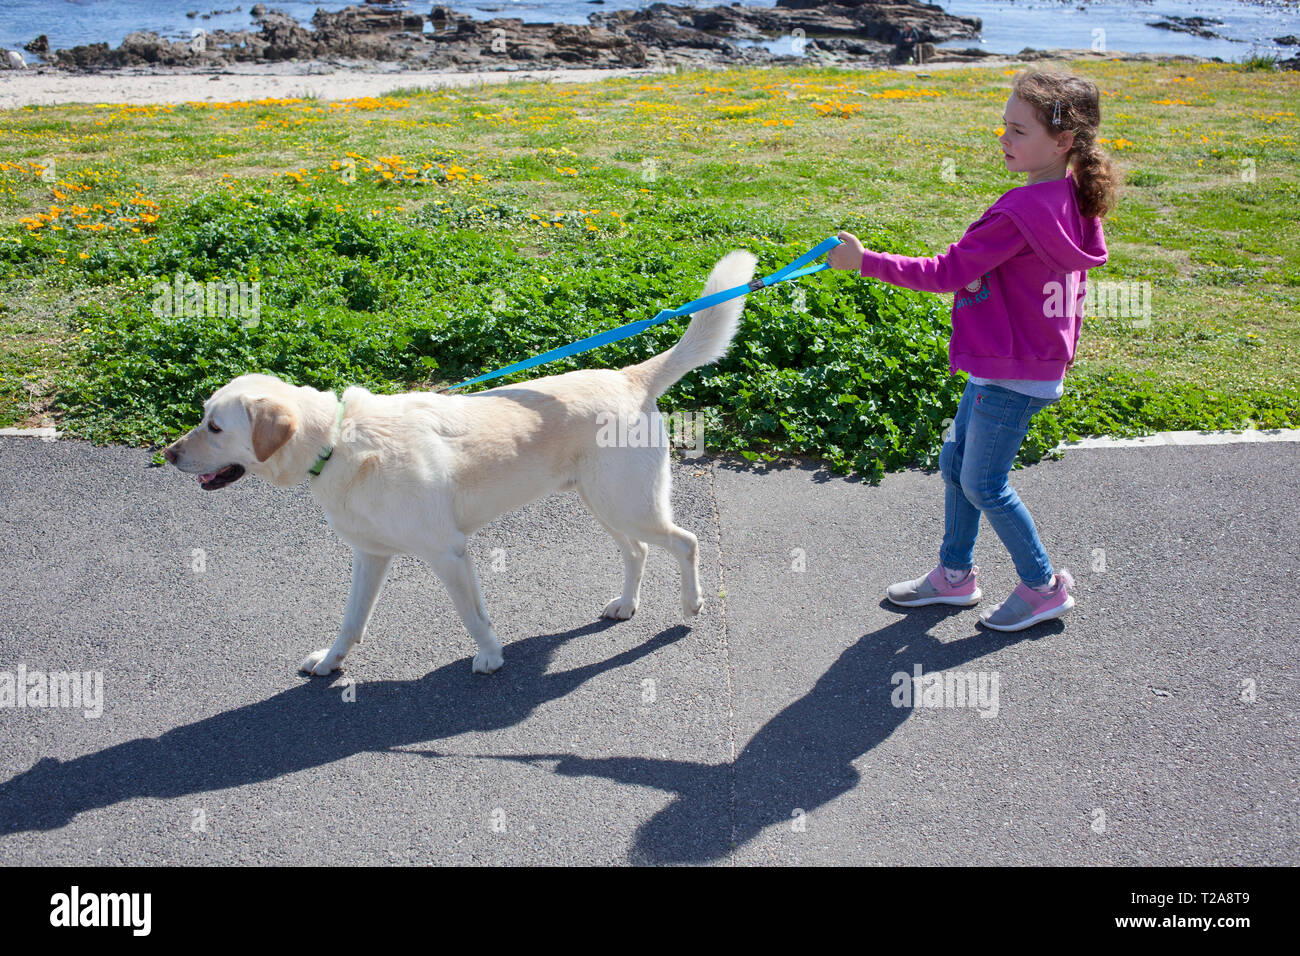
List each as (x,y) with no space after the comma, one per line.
(803,757)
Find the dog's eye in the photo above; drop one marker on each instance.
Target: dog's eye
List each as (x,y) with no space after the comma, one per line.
(212,427)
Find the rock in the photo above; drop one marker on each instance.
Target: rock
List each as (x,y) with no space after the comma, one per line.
(953,56)
(583,44)
(884,21)
(258,10)
(87,56)
(281,38)
(142,48)
(358,20)
(1197,26)
(40,46)
(666,34)
(1287,40)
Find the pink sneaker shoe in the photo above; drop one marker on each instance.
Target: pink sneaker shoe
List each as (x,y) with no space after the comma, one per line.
(1026,607)
(935,589)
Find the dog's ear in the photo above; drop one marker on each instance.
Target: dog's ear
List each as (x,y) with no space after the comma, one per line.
(273,424)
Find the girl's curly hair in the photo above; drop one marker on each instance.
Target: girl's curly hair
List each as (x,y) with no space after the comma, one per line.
(1064,101)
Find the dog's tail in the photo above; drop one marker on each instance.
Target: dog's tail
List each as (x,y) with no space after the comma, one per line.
(711,330)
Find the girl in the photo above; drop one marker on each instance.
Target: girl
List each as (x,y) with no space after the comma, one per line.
(1018,273)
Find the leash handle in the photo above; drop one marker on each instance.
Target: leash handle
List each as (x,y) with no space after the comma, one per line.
(793,270)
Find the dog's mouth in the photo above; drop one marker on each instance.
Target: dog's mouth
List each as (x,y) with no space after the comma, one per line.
(219,479)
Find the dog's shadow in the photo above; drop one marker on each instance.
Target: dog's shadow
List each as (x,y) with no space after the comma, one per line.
(307,726)
(801,759)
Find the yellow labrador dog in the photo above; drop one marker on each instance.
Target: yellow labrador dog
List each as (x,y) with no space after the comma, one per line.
(418,473)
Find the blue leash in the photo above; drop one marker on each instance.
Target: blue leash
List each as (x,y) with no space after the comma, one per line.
(792,271)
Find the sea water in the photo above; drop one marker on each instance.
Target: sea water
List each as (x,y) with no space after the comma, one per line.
(1248,26)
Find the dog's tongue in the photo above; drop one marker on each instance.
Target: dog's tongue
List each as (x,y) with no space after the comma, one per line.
(207,477)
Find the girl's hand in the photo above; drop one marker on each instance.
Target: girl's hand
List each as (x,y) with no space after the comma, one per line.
(848,254)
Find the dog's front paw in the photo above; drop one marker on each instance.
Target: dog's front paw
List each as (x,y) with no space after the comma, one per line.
(619,609)
(691,608)
(486,663)
(320,663)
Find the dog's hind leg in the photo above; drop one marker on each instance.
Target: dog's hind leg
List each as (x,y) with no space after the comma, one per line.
(634,555)
(634,500)
(683,546)
(368,574)
(454,569)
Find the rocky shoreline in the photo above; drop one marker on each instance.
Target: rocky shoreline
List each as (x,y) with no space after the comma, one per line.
(379,34)
(661,35)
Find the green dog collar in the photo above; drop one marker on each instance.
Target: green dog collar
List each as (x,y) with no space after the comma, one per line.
(325,455)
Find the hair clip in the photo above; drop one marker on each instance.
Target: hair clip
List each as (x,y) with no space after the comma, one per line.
(1056,114)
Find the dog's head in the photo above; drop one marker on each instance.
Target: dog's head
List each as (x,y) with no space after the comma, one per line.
(246,424)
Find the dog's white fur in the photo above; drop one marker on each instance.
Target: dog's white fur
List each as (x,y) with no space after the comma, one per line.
(418,473)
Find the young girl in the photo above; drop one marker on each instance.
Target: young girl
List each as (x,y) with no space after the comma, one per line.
(1018,274)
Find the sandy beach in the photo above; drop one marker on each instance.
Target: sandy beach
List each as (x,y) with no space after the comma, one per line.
(330,81)
(323,81)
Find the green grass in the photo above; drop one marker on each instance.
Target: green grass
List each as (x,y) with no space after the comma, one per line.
(521,217)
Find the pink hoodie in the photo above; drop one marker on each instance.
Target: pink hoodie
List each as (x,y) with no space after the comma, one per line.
(1019,277)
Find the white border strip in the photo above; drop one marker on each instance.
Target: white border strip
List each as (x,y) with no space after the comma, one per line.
(49,434)
(1188,438)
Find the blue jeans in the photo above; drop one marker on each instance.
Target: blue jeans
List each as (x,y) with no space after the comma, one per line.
(990,426)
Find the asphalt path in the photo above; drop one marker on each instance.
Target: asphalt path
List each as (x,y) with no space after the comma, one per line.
(1156,724)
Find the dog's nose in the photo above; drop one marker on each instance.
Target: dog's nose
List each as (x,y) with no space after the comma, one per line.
(170,453)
